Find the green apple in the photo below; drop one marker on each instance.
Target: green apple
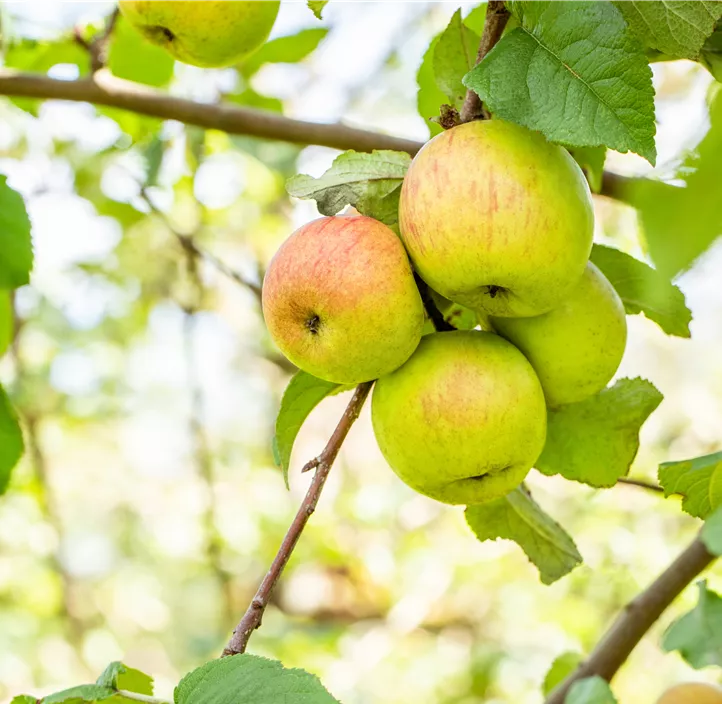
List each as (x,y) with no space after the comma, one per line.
(464,420)
(692,693)
(575,348)
(496,218)
(340,301)
(208,33)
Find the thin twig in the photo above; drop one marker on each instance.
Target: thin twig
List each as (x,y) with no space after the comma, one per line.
(136,696)
(496,18)
(97,47)
(252,618)
(189,245)
(202,455)
(637,618)
(642,484)
(105,89)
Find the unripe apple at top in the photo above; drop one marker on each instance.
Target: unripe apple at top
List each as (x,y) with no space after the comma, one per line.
(576,347)
(207,33)
(496,218)
(692,693)
(464,420)
(340,301)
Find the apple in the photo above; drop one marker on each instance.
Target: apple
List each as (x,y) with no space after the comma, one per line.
(692,693)
(575,348)
(464,420)
(207,33)
(496,218)
(340,301)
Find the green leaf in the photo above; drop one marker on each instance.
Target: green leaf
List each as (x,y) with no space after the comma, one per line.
(591,690)
(644,290)
(132,57)
(461,317)
(303,393)
(429,97)
(698,634)
(712,532)
(82,693)
(596,440)
(681,223)
(371,183)
(711,54)
(248,679)
(153,155)
(24,699)
(677,28)
(698,481)
(40,56)
(120,676)
(591,159)
(6,321)
(284,50)
(316,6)
(519,518)
(454,56)
(11,440)
(561,668)
(16,249)
(572,71)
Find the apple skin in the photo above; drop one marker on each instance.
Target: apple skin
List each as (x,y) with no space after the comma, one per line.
(340,301)
(496,218)
(576,348)
(464,420)
(692,693)
(206,33)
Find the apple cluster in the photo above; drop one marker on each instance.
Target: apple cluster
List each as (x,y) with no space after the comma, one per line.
(492,217)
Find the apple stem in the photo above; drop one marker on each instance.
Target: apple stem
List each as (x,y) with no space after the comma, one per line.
(496,18)
(254,614)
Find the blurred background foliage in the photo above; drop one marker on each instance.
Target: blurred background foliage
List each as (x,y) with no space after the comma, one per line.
(148,506)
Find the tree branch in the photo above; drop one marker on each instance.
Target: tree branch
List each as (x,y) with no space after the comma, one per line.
(252,618)
(496,18)
(105,89)
(637,618)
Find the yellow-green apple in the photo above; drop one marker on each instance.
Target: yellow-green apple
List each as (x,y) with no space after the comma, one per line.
(464,420)
(340,301)
(692,693)
(574,348)
(496,218)
(208,33)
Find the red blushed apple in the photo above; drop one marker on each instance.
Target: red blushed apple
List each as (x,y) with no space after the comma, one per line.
(496,218)
(340,301)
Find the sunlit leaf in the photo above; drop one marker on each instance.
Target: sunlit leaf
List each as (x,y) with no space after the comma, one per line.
(644,290)
(596,440)
(454,56)
(303,393)
(698,481)
(11,440)
(712,532)
(6,321)
(316,6)
(572,71)
(561,668)
(519,518)
(371,183)
(134,58)
(284,50)
(248,679)
(16,250)
(591,690)
(591,159)
(677,28)
(698,634)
